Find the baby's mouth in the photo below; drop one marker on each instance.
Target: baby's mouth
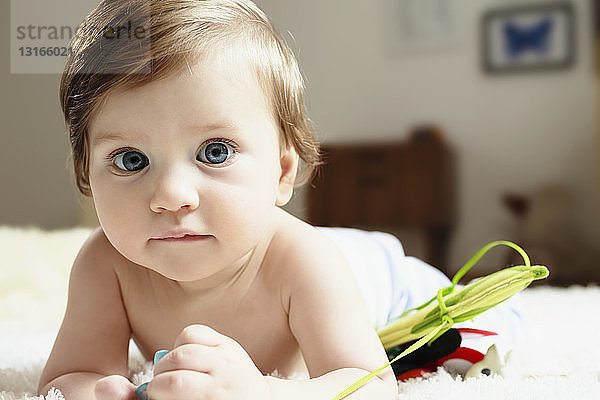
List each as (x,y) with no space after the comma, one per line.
(181,235)
(185,238)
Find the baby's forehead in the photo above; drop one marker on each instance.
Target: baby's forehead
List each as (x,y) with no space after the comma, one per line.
(208,95)
(230,63)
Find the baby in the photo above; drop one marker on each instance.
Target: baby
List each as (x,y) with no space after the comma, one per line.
(187,128)
(187,125)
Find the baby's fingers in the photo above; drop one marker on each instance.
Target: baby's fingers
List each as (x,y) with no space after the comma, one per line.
(193,357)
(199,334)
(182,385)
(114,387)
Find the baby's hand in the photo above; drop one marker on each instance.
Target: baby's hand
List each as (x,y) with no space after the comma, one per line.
(115,387)
(207,365)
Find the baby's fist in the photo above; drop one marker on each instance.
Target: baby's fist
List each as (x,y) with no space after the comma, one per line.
(206,365)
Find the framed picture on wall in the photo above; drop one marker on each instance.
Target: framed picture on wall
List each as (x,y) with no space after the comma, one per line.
(525,38)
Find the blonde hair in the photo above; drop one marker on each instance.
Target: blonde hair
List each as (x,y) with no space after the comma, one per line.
(160,37)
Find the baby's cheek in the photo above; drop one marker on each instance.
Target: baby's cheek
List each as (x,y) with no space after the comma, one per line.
(254,210)
(125,229)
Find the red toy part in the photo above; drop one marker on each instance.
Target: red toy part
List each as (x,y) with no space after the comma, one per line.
(457,363)
(470,333)
(413,373)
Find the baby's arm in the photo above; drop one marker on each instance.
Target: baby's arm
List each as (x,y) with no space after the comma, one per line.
(331,324)
(93,340)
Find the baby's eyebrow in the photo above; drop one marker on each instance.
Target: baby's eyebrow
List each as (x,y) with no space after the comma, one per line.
(107,137)
(110,136)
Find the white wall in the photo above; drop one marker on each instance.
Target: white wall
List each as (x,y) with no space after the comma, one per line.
(511,133)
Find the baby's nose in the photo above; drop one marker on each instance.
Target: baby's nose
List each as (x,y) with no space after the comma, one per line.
(174,191)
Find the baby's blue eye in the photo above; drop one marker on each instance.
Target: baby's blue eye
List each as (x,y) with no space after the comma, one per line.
(130,161)
(215,153)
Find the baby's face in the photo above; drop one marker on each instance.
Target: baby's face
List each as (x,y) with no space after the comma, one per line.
(197,151)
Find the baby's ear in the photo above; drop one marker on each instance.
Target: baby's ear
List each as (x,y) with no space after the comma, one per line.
(289,168)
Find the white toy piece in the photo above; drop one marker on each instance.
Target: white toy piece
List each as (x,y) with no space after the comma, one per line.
(492,364)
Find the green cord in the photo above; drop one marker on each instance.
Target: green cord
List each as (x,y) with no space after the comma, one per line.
(484,250)
(469,264)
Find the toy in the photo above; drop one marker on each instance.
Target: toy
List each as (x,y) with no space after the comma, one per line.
(447,351)
(434,318)
(492,364)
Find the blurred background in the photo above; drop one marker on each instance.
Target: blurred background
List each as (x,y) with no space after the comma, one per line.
(450,123)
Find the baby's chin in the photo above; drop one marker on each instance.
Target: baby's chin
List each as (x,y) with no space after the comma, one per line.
(181,274)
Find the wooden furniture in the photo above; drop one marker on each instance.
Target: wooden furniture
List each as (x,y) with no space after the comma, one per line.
(386,186)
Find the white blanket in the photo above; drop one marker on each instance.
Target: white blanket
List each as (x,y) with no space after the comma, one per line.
(559,359)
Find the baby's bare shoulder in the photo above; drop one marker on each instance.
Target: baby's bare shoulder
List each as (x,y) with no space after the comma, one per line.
(297,242)
(299,254)
(94,313)
(98,245)
(326,313)
(98,252)
(95,270)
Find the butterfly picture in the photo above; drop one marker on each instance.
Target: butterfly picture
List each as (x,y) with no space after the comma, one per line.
(521,39)
(538,36)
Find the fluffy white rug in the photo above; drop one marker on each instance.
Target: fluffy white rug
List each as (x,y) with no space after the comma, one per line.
(560,358)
